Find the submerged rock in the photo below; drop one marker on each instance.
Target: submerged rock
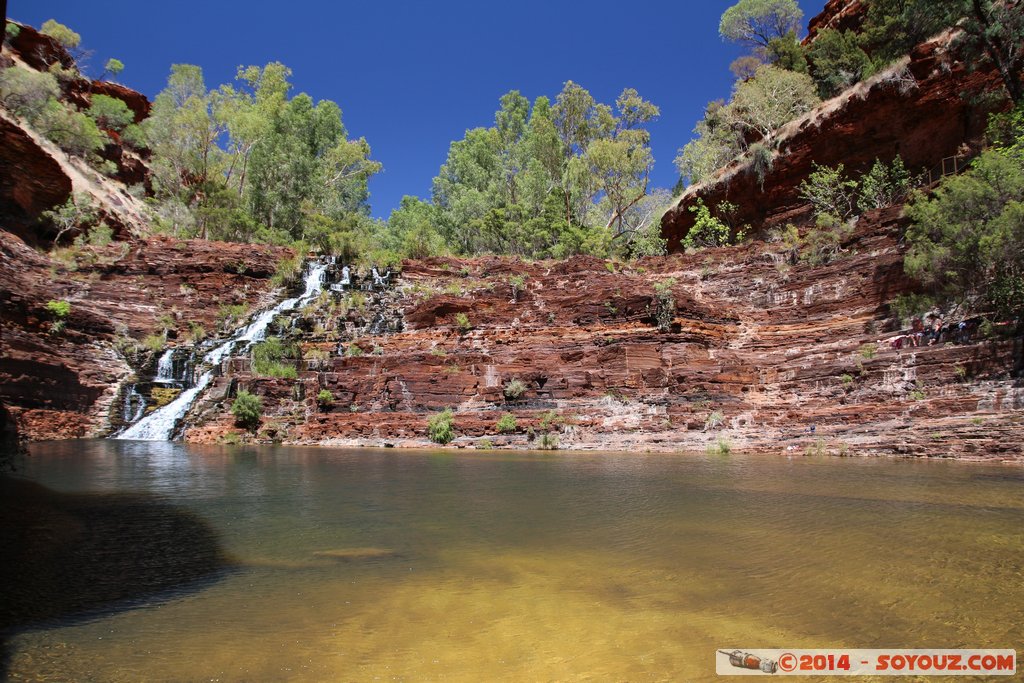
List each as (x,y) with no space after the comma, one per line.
(355,554)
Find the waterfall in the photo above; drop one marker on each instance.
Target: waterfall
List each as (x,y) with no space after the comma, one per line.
(134,405)
(160,425)
(165,368)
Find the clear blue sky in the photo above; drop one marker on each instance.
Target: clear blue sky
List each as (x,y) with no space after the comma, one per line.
(413,76)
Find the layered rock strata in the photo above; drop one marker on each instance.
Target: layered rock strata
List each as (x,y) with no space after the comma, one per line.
(60,377)
(729,348)
(929,109)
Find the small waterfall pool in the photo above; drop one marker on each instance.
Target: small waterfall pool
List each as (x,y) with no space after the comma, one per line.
(362,565)
(161,424)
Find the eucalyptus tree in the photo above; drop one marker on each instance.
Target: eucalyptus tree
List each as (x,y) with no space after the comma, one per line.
(250,162)
(547,179)
(757,22)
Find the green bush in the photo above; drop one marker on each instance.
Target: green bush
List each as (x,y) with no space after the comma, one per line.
(110,112)
(196,331)
(72,131)
(548,442)
(506,423)
(288,271)
(824,243)
(325,399)
(113,67)
(25,92)
(884,185)
(966,242)
(58,309)
(707,230)
(247,409)
(267,357)
(462,321)
(229,314)
(837,62)
(666,308)
(154,342)
(134,135)
(61,33)
(817,449)
(550,419)
(440,427)
(722,447)
(514,389)
(830,191)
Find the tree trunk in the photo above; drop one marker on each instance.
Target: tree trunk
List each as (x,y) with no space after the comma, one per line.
(998,52)
(3,22)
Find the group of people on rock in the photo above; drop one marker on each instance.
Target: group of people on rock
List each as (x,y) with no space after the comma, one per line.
(933,331)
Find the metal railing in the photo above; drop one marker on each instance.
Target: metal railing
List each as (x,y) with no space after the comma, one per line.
(953,165)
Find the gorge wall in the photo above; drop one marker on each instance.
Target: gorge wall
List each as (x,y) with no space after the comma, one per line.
(676,353)
(927,108)
(742,347)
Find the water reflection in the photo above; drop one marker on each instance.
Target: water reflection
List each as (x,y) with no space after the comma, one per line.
(357,564)
(69,557)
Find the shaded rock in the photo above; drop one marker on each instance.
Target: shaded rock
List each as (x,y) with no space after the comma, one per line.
(838,15)
(37,50)
(31,182)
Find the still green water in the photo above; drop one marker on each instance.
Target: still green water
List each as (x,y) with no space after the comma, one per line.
(522,567)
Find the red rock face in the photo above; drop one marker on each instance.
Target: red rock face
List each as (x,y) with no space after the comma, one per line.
(135,100)
(840,15)
(924,120)
(32,181)
(37,50)
(61,385)
(754,352)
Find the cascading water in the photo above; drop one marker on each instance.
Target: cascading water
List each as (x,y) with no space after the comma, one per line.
(160,425)
(165,368)
(134,405)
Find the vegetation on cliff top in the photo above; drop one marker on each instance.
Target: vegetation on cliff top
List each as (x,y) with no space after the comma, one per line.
(967,240)
(786,77)
(250,161)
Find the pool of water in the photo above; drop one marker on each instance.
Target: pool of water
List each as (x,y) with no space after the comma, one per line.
(469,566)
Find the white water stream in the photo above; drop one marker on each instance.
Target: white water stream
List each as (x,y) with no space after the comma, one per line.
(160,425)
(165,368)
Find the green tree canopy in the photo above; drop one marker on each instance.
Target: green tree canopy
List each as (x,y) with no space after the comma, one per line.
(757,22)
(110,112)
(967,241)
(113,67)
(547,179)
(61,33)
(288,161)
(758,108)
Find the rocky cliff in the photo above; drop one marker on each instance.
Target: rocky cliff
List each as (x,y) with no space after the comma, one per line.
(730,346)
(929,109)
(39,176)
(60,376)
(60,381)
(742,347)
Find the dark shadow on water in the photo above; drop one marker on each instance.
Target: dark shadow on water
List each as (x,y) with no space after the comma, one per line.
(65,558)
